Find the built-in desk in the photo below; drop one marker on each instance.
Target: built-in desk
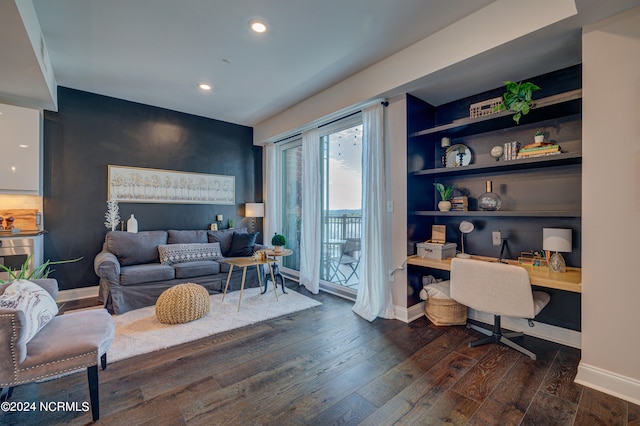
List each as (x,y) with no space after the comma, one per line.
(539,276)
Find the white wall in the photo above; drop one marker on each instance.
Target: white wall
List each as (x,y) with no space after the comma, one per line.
(396,140)
(611,206)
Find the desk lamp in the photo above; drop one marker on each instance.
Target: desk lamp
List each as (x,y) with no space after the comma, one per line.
(254,210)
(465,228)
(557,240)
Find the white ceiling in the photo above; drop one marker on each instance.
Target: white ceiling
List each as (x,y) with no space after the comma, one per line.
(156,51)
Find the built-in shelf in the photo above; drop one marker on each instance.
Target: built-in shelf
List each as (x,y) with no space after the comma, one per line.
(501,213)
(563,159)
(468,121)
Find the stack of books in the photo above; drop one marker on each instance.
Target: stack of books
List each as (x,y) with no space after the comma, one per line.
(460,204)
(539,149)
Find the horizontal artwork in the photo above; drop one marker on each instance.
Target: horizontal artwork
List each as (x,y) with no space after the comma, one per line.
(140,185)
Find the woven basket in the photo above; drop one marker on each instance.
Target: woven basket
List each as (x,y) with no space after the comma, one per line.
(183,303)
(445,312)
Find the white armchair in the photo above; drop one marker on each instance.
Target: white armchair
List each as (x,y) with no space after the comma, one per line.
(66,343)
(498,289)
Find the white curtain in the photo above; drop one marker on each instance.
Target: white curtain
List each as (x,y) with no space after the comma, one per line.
(311,212)
(272,219)
(374,298)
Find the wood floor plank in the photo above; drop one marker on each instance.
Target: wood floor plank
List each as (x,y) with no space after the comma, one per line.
(487,373)
(508,403)
(452,409)
(549,410)
(560,379)
(351,410)
(633,414)
(411,403)
(387,385)
(597,408)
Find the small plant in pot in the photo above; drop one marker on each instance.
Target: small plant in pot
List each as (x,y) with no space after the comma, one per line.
(539,136)
(38,272)
(518,98)
(445,195)
(278,241)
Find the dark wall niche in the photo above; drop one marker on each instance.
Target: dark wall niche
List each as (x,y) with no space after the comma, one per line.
(90,132)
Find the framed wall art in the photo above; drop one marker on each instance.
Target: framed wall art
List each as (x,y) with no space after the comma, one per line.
(141,185)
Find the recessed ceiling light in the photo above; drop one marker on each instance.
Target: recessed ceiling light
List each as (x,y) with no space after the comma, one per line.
(204,86)
(23,146)
(257,26)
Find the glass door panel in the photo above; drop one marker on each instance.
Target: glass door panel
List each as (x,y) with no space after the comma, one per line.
(342,205)
(292,202)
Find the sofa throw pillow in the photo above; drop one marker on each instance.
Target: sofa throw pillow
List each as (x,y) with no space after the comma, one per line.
(242,244)
(224,237)
(37,304)
(180,253)
(135,249)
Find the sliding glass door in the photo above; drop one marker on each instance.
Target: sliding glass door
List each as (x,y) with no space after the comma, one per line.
(342,202)
(341,193)
(291,161)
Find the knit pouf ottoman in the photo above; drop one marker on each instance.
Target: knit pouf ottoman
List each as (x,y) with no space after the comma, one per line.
(182,303)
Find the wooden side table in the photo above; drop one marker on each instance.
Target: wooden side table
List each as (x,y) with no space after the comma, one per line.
(244,263)
(272,256)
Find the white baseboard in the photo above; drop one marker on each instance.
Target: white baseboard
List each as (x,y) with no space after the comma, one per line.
(552,333)
(409,314)
(78,293)
(608,382)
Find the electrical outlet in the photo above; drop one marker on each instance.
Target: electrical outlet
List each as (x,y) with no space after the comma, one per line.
(496,238)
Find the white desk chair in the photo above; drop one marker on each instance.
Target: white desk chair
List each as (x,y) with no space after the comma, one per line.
(498,289)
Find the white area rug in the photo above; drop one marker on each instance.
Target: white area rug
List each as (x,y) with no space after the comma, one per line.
(139,332)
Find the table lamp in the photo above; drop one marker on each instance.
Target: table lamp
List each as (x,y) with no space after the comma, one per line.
(254,210)
(465,228)
(557,240)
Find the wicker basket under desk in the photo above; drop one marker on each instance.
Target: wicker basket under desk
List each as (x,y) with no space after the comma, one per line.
(445,312)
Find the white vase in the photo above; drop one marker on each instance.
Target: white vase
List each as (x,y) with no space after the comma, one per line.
(538,138)
(444,206)
(132,225)
(277,249)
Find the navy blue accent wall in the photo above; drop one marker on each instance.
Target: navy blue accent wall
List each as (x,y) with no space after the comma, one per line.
(90,132)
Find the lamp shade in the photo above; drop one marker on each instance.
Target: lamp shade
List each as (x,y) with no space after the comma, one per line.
(556,239)
(219,217)
(254,210)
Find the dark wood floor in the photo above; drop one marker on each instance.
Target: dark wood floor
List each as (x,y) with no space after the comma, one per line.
(328,366)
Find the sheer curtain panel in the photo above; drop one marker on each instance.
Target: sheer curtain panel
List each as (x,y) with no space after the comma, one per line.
(272,207)
(310,249)
(374,298)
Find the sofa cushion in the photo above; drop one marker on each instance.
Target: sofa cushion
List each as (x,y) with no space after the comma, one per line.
(179,253)
(196,269)
(37,304)
(138,248)
(148,272)
(242,244)
(224,237)
(187,237)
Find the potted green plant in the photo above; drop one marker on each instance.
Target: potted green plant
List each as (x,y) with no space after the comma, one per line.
(445,195)
(539,136)
(518,98)
(41,271)
(232,223)
(278,241)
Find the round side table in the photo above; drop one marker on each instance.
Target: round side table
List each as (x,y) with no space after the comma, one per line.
(272,256)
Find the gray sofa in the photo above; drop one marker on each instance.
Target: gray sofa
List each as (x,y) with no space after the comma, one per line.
(134,269)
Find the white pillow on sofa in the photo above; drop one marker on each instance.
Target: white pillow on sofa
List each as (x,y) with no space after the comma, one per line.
(37,304)
(179,253)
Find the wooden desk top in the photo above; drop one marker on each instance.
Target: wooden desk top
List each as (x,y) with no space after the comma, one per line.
(540,276)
